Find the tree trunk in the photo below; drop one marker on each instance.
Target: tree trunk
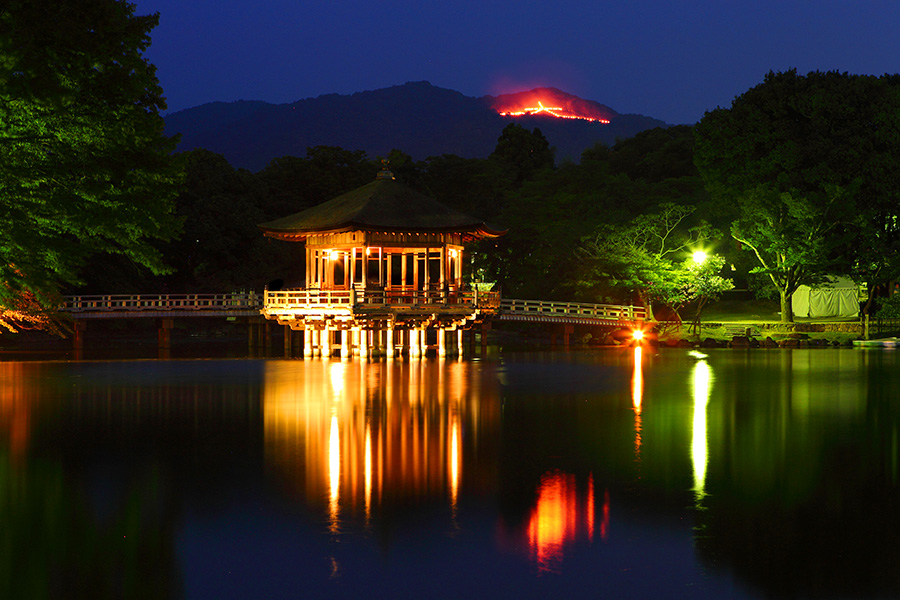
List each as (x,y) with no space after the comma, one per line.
(868,307)
(787,311)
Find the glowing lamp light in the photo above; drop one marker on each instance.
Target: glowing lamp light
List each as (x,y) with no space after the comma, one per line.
(334,255)
(453,253)
(699,256)
(638,335)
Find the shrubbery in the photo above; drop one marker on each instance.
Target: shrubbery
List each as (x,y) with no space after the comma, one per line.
(889,308)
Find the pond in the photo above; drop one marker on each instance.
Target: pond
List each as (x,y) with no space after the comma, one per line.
(620,473)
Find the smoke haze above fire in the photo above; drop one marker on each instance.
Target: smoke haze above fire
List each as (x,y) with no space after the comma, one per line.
(669,60)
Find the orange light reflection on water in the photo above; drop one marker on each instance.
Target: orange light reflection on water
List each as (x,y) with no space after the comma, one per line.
(15,411)
(378,432)
(637,398)
(334,475)
(557,518)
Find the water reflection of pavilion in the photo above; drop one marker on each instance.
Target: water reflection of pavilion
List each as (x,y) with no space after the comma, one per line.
(361,439)
(354,435)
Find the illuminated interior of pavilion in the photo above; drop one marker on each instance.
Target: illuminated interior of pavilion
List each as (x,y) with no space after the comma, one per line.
(384,273)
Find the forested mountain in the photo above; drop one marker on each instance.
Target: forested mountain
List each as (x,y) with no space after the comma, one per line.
(421,119)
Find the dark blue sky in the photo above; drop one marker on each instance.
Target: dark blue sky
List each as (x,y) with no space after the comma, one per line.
(667,59)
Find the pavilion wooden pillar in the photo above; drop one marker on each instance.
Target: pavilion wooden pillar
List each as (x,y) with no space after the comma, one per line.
(307,341)
(288,339)
(325,342)
(364,343)
(442,342)
(459,342)
(389,333)
(345,343)
(414,347)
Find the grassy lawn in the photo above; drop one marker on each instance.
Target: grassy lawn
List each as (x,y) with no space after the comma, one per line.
(721,321)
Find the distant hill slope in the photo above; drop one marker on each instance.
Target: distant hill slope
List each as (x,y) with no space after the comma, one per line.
(418,118)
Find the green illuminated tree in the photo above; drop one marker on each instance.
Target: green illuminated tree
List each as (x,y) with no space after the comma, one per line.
(647,258)
(809,163)
(84,165)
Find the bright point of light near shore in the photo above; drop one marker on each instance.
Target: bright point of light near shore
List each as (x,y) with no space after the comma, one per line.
(638,334)
(699,256)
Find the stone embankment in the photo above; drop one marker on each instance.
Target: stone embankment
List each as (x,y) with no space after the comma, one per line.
(793,340)
(773,335)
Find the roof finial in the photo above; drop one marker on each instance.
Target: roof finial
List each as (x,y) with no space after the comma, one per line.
(384,173)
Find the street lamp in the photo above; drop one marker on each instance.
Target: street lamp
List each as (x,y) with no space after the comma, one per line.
(699,257)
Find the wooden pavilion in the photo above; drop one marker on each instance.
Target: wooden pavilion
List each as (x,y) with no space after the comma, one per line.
(383,273)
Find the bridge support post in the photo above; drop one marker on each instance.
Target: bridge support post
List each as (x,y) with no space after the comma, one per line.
(485,327)
(389,342)
(78,335)
(442,342)
(568,330)
(164,339)
(459,342)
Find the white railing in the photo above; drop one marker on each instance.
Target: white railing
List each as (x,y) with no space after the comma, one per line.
(161,302)
(315,299)
(546,308)
(329,299)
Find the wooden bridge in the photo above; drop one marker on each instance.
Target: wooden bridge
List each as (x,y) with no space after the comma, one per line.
(249,304)
(251,307)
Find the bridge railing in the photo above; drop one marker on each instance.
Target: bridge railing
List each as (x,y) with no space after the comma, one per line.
(311,299)
(572,309)
(161,302)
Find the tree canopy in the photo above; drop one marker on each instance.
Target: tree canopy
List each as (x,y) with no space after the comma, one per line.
(84,165)
(810,165)
(650,258)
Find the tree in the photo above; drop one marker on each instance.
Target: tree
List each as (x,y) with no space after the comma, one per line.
(808,162)
(84,165)
(521,153)
(704,283)
(646,257)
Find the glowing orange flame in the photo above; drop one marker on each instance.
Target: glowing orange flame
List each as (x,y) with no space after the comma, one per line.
(551,102)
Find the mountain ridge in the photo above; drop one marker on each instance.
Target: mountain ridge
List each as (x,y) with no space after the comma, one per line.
(415,117)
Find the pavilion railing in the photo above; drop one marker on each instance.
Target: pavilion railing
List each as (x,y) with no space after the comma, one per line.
(315,299)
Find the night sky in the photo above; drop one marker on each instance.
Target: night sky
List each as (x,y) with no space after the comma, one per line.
(665,59)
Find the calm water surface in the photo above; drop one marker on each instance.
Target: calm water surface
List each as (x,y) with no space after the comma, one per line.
(614,474)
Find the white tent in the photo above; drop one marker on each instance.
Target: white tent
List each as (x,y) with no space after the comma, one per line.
(837,297)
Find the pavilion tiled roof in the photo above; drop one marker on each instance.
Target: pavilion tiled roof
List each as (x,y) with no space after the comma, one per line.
(382,205)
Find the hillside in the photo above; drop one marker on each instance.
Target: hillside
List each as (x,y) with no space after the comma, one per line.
(418,118)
